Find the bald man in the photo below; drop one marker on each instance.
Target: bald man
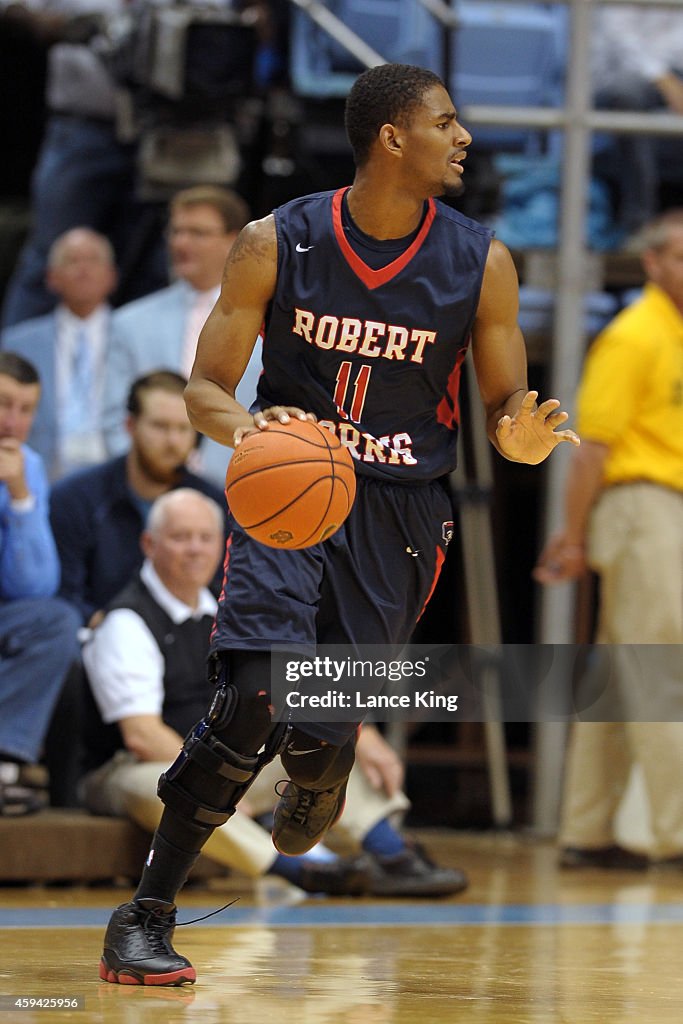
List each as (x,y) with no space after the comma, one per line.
(68,348)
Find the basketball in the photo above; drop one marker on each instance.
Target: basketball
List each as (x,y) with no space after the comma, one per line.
(292,485)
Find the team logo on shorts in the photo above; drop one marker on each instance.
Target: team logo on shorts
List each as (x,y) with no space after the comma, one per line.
(447,531)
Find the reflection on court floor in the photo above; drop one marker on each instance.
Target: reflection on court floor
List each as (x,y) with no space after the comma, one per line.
(526,944)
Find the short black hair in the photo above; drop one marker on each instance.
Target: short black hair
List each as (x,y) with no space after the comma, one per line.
(159,380)
(18,368)
(387,94)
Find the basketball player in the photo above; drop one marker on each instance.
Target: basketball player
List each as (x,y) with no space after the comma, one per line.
(369,298)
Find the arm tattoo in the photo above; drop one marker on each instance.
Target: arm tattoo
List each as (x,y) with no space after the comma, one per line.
(255,243)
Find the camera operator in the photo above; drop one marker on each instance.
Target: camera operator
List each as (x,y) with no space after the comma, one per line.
(87,173)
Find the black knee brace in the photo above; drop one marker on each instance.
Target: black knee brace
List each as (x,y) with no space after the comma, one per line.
(208,779)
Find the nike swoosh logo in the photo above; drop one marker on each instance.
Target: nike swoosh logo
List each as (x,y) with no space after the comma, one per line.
(299,753)
(303,248)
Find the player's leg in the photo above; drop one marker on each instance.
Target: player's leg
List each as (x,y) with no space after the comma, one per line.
(267,596)
(379,572)
(219,760)
(384,564)
(314,797)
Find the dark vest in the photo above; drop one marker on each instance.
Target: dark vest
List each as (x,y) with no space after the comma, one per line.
(187,690)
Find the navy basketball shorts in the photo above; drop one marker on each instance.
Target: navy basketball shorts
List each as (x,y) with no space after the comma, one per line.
(367,584)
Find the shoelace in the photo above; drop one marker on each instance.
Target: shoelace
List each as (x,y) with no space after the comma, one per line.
(220,910)
(156,926)
(305,802)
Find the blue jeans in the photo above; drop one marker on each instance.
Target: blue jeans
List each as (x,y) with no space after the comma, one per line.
(84,177)
(37,645)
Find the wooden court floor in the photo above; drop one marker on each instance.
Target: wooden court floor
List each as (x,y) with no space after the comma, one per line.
(526,943)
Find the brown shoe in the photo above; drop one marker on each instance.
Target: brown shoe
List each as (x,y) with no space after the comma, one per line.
(670,863)
(411,873)
(346,876)
(303,816)
(614,858)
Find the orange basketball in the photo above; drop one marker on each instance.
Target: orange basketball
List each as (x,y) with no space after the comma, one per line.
(292,485)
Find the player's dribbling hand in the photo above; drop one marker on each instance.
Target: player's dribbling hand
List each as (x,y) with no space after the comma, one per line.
(261,419)
(531,434)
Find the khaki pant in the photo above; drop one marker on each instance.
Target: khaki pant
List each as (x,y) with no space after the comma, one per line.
(636,545)
(127,788)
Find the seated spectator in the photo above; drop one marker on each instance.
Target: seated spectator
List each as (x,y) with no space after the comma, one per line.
(68,348)
(99,513)
(146,663)
(638,66)
(97,517)
(162,329)
(37,631)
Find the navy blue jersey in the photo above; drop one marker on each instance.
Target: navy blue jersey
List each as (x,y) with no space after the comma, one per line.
(375,354)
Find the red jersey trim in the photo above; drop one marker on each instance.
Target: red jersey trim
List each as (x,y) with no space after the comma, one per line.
(374,278)
(448,409)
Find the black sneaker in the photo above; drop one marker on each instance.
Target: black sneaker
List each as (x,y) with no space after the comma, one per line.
(137,946)
(412,873)
(349,876)
(303,816)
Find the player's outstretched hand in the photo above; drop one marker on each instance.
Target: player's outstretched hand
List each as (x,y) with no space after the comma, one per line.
(531,434)
(281,413)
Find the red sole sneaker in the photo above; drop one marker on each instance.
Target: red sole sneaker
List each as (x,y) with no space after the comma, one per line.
(186,976)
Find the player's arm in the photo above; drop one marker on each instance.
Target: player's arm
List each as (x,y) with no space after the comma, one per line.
(228,338)
(521,431)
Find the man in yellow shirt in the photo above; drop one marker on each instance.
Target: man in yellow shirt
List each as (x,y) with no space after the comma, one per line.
(624,518)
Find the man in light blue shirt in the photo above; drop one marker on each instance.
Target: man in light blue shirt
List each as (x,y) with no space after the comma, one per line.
(37,630)
(67,347)
(161,329)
